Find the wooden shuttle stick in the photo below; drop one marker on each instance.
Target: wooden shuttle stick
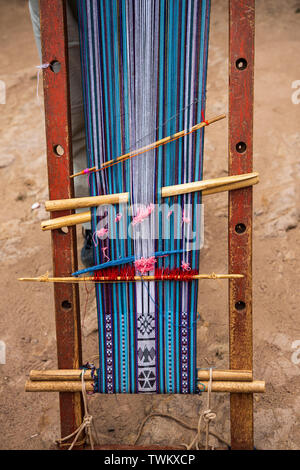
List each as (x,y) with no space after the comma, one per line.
(209,186)
(75,374)
(154,145)
(103,279)
(257,386)
(163,141)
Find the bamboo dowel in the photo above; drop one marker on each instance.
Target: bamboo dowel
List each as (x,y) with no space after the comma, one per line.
(80,202)
(257,386)
(59,375)
(57,386)
(103,279)
(209,186)
(163,141)
(226,375)
(213,185)
(66,221)
(75,374)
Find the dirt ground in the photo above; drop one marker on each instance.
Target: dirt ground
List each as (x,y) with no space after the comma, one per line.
(31,421)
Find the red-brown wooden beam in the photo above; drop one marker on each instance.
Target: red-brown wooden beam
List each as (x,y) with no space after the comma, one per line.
(241,81)
(60,166)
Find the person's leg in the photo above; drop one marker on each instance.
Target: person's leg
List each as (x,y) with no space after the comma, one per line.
(77,113)
(78,125)
(34,10)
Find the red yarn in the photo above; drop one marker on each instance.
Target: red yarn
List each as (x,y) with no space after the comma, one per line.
(128,274)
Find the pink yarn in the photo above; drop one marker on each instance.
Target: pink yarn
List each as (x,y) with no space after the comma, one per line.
(169,214)
(142,214)
(145,265)
(86,171)
(99,234)
(104,250)
(118,218)
(185,219)
(185,266)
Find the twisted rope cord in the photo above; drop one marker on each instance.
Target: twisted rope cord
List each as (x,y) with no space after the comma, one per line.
(86,424)
(178,421)
(207,416)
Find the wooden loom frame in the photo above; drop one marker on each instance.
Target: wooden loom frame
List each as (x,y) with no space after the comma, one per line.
(64,246)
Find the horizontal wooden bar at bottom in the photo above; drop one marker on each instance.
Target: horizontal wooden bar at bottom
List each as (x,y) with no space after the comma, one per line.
(59,375)
(75,374)
(226,375)
(57,386)
(257,386)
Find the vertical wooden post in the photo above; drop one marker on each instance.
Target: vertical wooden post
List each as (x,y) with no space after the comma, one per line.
(241,81)
(59,157)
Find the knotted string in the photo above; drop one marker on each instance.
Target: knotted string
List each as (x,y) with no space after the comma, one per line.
(207,416)
(44,277)
(203,119)
(86,424)
(40,67)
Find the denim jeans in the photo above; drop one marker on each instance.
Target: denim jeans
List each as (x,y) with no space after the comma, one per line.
(77,113)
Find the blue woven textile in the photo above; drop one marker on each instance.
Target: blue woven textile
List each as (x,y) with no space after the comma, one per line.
(144,78)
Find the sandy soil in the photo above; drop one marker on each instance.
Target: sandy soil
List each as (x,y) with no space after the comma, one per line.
(31,421)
